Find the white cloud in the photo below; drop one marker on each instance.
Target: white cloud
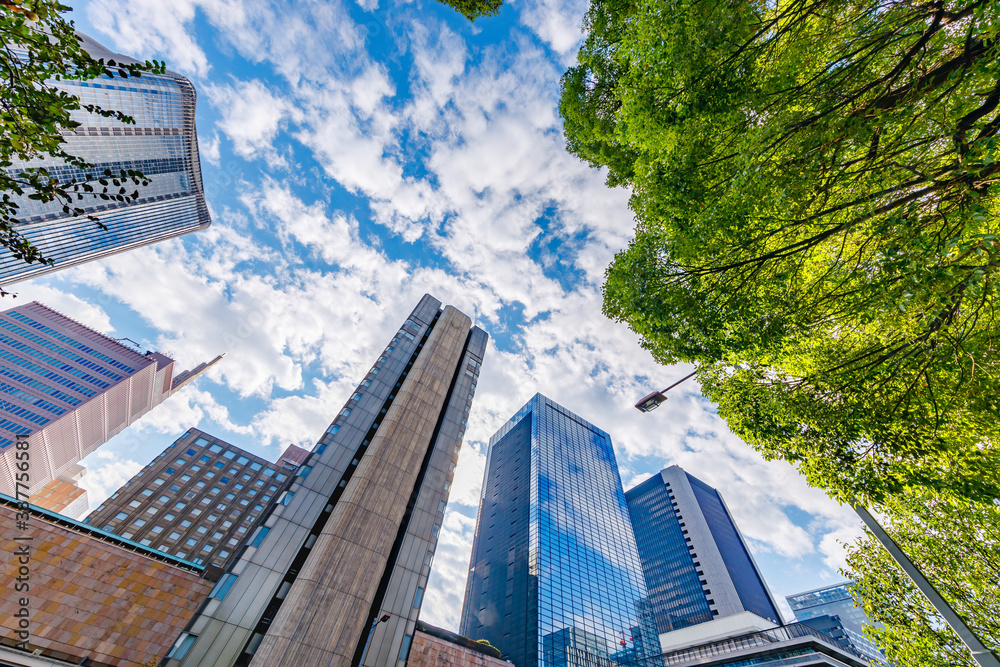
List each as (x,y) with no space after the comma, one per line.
(251,118)
(105,474)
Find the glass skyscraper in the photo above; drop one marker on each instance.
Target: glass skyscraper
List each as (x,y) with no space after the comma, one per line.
(837,601)
(162,144)
(555,577)
(695,561)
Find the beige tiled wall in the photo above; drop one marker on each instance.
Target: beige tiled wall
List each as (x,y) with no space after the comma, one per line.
(90,598)
(429,651)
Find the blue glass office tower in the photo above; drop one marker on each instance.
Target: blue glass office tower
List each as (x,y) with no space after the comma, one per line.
(837,601)
(555,578)
(162,144)
(695,561)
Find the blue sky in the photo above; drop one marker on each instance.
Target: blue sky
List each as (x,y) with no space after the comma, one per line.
(356,155)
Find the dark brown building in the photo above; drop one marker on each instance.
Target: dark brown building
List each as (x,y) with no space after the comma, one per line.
(198,500)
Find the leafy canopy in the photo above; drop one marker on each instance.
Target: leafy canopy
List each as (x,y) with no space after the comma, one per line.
(473,9)
(39,49)
(815,184)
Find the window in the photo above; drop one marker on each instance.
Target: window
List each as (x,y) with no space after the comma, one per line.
(152,510)
(174,536)
(185,523)
(207,548)
(216,536)
(139,523)
(212,517)
(258,536)
(230,454)
(190,452)
(202,530)
(121,515)
(225,480)
(191,542)
(157,529)
(404,650)
(157,482)
(169,517)
(134,503)
(356,397)
(182,646)
(204,459)
(215,449)
(179,462)
(225,583)
(255,466)
(230,496)
(201,442)
(163,499)
(179,506)
(333,429)
(304,471)
(418,597)
(243,460)
(268,472)
(214,490)
(147,492)
(185,478)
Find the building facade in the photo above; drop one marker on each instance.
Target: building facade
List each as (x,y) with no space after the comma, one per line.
(162,144)
(837,601)
(697,565)
(93,598)
(68,389)
(555,577)
(199,500)
(353,539)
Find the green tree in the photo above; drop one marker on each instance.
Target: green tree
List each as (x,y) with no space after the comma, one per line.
(818,222)
(473,9)
(39,49)
(955,544)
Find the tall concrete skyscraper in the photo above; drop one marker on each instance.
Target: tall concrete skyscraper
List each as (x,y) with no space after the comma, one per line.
(697,565)
(68,389)
(353,539)
(555,578)
(837,601)
(162,144)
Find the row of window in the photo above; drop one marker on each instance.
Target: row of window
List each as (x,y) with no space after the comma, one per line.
(41,386)
(46,373)
(52,361)
(58,349)
(30,398)
(75,343)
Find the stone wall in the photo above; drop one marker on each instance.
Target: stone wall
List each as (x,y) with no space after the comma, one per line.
(429,651)
(90,598)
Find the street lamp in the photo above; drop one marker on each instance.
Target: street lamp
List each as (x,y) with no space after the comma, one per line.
(653,401)
(982,655)
(371,630)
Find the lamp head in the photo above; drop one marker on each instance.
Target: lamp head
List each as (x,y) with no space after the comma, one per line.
(651,402)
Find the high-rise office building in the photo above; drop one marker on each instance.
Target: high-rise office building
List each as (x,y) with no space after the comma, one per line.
(697,565)
(353,539)
(68,389)
(162,144)
(555,577)
(199,500)
(837,601)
